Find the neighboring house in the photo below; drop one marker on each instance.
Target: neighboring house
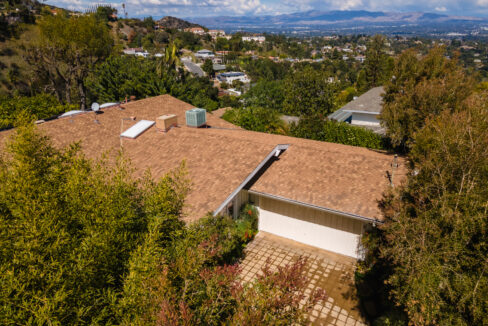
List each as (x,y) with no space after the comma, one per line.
(363,111)
(216,33)
(217,60)
(218,67)
(255,38)
(140,52)
(195,30)
(289,119)
(204,54)
(223,52)
(318,193)
(360,58)
(229,77)
(233,92)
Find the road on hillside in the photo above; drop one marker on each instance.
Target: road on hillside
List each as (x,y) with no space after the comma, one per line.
(193,68)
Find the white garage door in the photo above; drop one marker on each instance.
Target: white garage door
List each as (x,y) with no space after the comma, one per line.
(310,226)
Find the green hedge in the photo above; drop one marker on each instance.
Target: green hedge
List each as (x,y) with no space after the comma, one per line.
(337,132)
(257,119)
(41,106)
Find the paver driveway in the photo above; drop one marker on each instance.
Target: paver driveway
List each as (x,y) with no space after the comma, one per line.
(332,272)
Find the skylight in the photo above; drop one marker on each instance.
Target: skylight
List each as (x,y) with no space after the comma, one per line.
(137,129)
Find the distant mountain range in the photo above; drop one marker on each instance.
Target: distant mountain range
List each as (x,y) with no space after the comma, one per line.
(355,21)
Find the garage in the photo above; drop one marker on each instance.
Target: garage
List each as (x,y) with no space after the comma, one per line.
(319,228)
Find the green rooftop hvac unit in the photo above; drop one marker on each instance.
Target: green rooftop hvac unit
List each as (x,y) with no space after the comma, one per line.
(196,117)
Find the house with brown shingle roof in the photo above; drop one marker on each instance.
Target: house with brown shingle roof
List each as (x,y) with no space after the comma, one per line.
(321,194)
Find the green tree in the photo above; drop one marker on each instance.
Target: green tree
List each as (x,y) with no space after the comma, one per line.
(307,93)
(67,52)
(266,94)
(41,106)
(208,68)
(121,76)
(105,13)
(69,228)
(222,44)
(265,69)
(435,237)
(148,23)
(336,132)
(376,65)
(257,119)
(169,61)
(196,282)
(421,89)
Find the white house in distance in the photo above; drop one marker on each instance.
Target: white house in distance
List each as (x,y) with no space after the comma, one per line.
(255,38)
(204,54)
(195,30)
(229,77)
(140,52)
(363,111)
(216,33)
(317,193)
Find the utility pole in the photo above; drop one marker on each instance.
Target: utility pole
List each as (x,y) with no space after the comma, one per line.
(125,12)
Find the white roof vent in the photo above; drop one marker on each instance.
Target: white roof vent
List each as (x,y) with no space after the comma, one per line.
(137,129)
(71,113)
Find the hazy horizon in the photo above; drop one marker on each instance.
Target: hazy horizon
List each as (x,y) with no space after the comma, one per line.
(209,8)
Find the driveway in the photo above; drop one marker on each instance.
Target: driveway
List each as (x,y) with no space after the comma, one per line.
(332,272)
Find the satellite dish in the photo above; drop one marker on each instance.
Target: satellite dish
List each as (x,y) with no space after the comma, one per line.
(95,107)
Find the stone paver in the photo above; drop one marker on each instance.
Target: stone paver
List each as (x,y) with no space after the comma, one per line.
(332,272)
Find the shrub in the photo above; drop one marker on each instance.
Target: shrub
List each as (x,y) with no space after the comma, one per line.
(247,223)
(69,229)
(257,119)
(337,132)
(41,106)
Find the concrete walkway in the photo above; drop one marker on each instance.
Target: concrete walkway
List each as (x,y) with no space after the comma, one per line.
(332,272)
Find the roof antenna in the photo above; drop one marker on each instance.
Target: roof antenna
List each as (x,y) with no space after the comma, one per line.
(95,108)
(394,166)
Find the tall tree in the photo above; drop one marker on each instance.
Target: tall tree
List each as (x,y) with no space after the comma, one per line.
(69,227)
(169,61)
(422,88)
(435,236)
(266,94)
(208,68)
(376,63)
(67,51)
(307,92)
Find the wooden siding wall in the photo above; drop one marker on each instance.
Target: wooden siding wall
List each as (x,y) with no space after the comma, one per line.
(312,215)
(241,198)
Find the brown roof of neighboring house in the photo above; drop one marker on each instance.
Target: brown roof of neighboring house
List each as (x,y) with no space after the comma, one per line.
(344,178)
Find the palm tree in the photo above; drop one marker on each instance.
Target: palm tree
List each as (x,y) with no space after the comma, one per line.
(170,60)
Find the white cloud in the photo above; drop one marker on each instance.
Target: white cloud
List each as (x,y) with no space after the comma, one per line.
(185,8)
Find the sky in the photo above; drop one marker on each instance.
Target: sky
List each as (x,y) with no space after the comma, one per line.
(200,8)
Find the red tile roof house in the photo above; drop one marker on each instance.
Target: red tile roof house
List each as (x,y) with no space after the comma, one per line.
(321,194)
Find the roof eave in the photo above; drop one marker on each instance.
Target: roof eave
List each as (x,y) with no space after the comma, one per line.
(321,208)
(366,112)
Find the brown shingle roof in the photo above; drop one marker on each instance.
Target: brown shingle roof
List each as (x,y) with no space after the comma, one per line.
(344,178)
